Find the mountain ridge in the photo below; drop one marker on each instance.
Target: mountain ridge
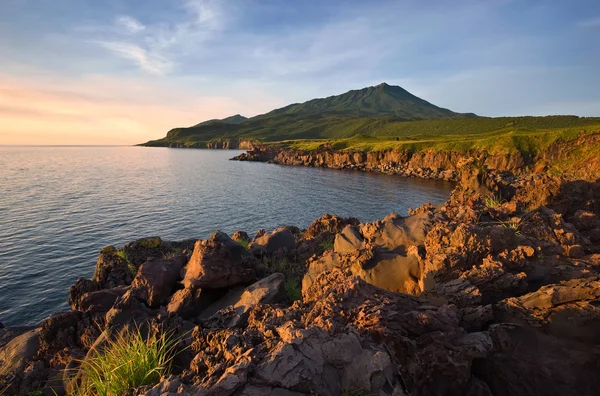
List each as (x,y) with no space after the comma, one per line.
(359,111)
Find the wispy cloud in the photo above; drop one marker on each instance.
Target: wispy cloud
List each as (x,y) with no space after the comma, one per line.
(154,63)
(154,48)
(131,24)
(590,23)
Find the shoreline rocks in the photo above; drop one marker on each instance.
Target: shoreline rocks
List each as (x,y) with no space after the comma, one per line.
(480,296)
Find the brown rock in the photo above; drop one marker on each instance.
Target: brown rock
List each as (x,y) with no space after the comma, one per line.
(219,262)
(280,239)
(156,279)
(101,300)
(15,355)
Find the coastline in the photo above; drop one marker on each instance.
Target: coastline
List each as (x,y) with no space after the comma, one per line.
(458,280)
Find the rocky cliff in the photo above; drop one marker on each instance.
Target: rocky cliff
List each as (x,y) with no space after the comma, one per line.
(565,157)
(494,293)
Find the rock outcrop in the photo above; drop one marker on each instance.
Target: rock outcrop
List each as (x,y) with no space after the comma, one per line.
(494,293)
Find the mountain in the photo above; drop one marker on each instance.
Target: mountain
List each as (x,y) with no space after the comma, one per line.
(234,119)
(370,111)
(380,100)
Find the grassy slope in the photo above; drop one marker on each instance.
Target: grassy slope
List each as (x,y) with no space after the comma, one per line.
(528,135)
(504,133)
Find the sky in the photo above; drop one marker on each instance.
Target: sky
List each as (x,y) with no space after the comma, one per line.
(127,71)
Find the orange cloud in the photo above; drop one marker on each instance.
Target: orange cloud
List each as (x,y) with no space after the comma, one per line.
(105,110)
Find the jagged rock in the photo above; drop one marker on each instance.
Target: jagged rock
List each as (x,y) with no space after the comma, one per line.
(128,309)
(568,310)
(546,225)
(526,361)
(79,288)
(348,240)
(59,331)
(219,262)
(99,301)
(238,235)
(15,355)
(312,361)
(156,279)
(111,270)
(327,223)
(188,303)
(384,253)
(280,239)
(396,233)
(269,290)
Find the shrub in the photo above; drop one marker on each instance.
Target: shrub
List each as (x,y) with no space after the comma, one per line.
(127,362)
(292,290)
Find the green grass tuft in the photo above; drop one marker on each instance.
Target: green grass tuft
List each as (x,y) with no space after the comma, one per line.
(293,290)
(128,362)
(327,244)
(125,257)
(492,201)
(276,265)
(244,242)
(37,392)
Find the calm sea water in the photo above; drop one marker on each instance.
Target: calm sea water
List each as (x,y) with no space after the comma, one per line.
(60,205)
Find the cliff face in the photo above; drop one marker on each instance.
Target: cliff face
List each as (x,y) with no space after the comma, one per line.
(579,159)
(428,164)
(228,144)
(225,144)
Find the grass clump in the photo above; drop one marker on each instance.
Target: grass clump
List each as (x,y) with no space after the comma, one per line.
(493,201)
(122,254)
(37,392)
(327,244)
(244,242)
(293,290)
(276,265)
(127,362)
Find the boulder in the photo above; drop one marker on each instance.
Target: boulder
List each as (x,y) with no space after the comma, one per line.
(280,239)
(15,355)
(330,224)
(111,269)
(99,301)
(80,287)
(240,235)
(156,279)
(348,240)
(188,303)
(567,310)
(387,270)
(128,309)
(219,262)
(269,290)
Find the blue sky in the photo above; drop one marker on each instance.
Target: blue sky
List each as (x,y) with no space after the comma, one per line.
(121,71)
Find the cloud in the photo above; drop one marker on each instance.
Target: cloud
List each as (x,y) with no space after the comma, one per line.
(153,63)
(155,47)
(131,24)
(590,23)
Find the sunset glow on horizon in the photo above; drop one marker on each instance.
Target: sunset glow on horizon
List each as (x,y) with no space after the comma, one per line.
(87,72)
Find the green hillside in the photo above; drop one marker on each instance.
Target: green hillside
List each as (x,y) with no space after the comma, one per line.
(379,117)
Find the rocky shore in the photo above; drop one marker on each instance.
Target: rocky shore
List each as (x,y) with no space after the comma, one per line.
(495,292)
(436,164)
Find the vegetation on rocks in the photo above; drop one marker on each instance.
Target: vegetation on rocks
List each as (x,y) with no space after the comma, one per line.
(127,362)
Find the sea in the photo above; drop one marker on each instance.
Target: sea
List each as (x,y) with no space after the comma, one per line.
(59,206)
